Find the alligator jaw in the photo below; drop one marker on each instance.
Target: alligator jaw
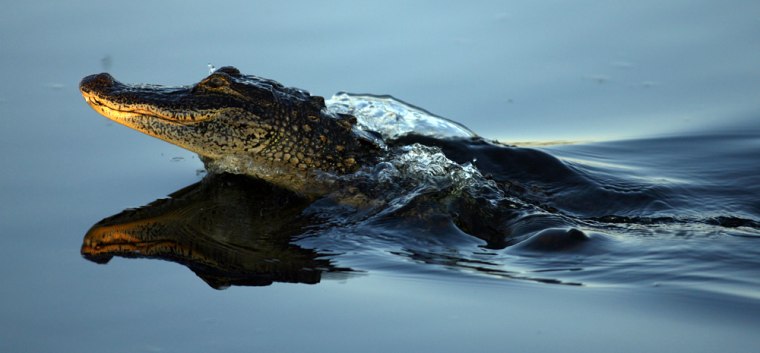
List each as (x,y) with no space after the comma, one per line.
(121,103)
(158,111)
(112,112)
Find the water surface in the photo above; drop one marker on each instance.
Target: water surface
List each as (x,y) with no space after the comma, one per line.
(665,186)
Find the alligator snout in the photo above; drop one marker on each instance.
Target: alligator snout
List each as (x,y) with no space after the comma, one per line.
(98,82)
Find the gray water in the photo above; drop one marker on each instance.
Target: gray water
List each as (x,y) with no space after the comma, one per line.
(519,71)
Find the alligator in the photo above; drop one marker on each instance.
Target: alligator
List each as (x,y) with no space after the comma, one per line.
(245,124)
(242,124)
(233,231)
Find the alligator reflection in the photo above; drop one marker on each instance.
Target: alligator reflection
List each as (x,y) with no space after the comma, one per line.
(228,229)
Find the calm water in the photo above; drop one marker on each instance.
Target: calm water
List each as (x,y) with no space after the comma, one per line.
(662,192)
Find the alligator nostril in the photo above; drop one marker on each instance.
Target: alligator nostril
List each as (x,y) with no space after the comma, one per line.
(96,82)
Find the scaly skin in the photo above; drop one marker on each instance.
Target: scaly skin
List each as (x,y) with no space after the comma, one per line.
(242,124)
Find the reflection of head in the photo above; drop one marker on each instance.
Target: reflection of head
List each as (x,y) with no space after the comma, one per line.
(229,230)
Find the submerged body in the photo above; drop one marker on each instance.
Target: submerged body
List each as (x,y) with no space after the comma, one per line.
(241,124)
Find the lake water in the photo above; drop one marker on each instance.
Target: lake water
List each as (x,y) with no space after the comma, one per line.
(662,181)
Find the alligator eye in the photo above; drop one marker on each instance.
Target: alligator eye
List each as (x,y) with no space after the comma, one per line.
(215,81)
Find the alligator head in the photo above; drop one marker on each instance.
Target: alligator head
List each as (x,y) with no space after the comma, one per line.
(242,124)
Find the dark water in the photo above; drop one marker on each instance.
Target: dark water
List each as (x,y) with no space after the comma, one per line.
(647,242)
(676,212)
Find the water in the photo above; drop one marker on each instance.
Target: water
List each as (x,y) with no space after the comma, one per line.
(614,214)
(639,236)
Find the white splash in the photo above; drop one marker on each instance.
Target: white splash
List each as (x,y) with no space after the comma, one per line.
(393,118)
(417,169)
